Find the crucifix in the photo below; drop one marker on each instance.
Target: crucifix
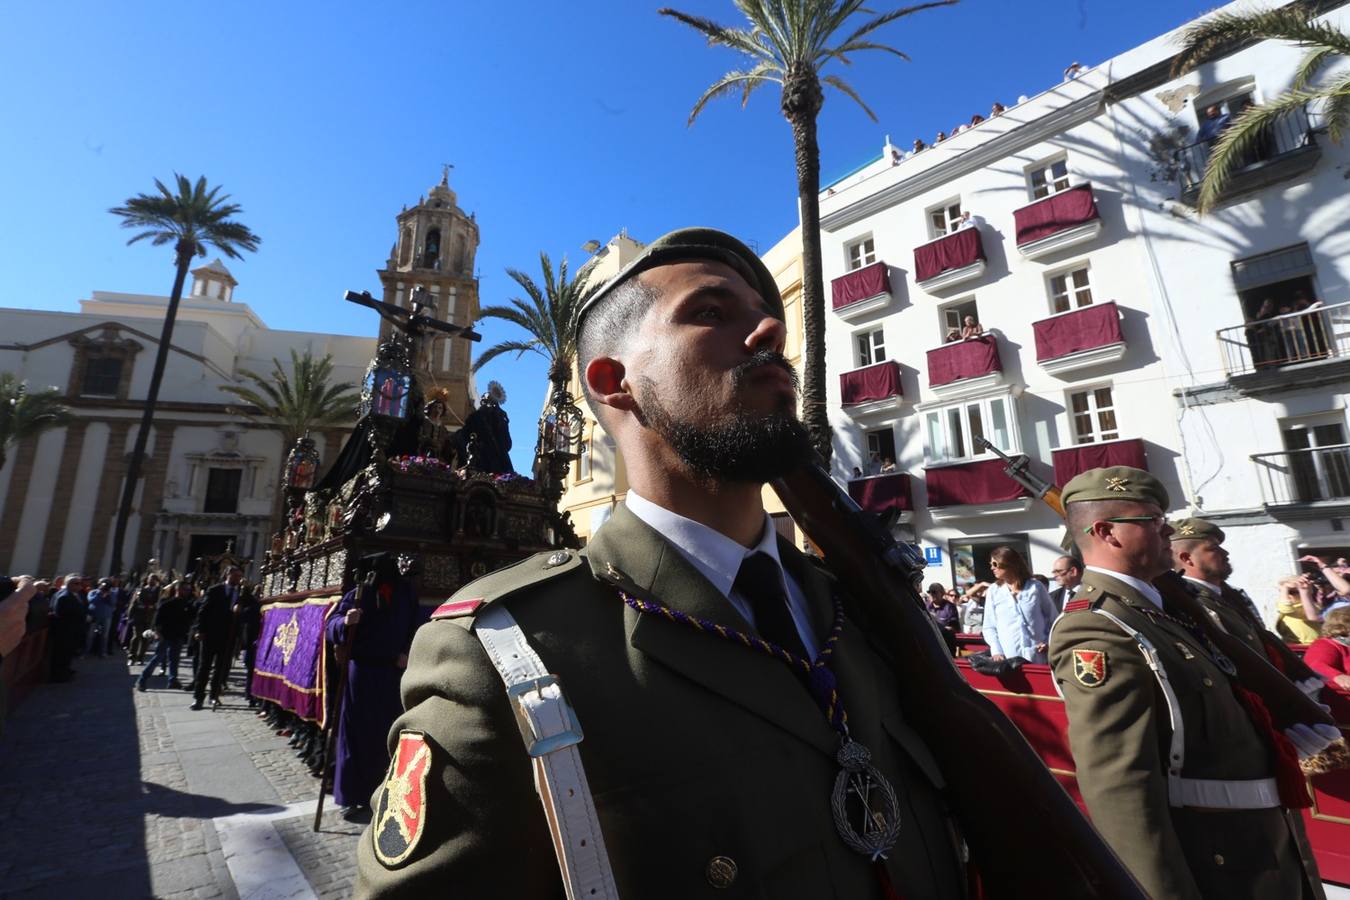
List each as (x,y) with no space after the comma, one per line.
(413,325)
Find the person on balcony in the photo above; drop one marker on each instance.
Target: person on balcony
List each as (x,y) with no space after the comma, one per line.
(1213,124)
(953,336)
(887,466)
(967,221)
(1018,611)
(971,329)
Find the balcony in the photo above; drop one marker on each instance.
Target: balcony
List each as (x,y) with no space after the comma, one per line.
(1056,222)
(871,389)
(1079,339)
(963,368)
(1071,461)
(862,291)
(1297,350)
(950,260)
(1316,479)
(973,489)
(884,495)
(1287,149)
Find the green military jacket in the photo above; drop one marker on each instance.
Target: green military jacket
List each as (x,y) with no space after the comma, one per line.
(696,749)
(1229,616)
(1120,734)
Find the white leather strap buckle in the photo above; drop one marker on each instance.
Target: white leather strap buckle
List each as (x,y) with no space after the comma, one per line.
(549,727)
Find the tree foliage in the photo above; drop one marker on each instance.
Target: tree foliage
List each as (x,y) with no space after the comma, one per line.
(26,414)
(298,401)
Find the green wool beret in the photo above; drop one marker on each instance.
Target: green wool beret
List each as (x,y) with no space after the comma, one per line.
(697,243)
(1193,529)
(1115,483)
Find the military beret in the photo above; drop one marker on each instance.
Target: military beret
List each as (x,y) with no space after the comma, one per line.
(696,243)
(1193,529)
(1115,483)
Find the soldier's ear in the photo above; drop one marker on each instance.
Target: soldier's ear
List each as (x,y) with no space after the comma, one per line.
(605,379)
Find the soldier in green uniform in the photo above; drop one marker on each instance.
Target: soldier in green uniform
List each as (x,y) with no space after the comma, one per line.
(680,639)
(1198,554)
(1176,775)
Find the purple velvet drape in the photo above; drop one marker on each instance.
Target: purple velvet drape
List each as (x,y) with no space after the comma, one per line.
(972,482)
(963,359)
(1071,461)
(872,383)
(865,283)
(1055,213)
(882,492)
(1092,326)
(955,251)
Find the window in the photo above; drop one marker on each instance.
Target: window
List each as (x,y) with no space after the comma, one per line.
(871,347)
(1318,457)
(952,431)
(1092,413)
(1070,290)
(102,376)
(1048,177)
(584,450)
(954,317)
(862,252)
(222,490)
(944,219)
(880,447)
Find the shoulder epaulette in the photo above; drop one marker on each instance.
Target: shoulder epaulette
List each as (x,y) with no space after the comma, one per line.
(474,596)
(1077,605)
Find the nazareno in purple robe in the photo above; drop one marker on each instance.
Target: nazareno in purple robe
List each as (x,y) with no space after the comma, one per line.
(370,702)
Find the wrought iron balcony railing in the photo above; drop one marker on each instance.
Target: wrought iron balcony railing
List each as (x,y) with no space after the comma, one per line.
(1304,476)
(1289,134)
(1320,333)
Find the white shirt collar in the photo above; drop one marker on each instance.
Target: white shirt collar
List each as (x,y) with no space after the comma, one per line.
(1212,588)
(1138,584)
(715,555)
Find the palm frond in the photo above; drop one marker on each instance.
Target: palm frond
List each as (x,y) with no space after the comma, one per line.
(1238,141)
(886,18)
(194,217)
(1312,63)
(719,35)
(1336,109)
(297,400)
(520,348)
(25,414)
(847,90)
(1224,31)
(745,81)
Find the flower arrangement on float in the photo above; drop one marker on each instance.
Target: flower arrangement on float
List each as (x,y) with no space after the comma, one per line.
(410,464)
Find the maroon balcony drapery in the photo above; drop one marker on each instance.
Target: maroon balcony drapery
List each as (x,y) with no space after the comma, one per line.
(882,493)
(1055,213)
(963,359)
(865,283)
(954,251)
(876,382)
(1092,326)
(1071,461)
(974,482)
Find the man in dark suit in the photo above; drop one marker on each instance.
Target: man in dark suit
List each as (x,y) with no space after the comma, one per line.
(1068,572)
(711,764)
(213,630)
(68,626)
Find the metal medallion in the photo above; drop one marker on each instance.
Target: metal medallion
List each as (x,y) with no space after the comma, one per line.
(863,796)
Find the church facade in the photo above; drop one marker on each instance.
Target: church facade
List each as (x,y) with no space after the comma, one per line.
(210,478)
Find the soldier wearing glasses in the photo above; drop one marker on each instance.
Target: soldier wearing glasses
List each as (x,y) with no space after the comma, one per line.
(1176,774)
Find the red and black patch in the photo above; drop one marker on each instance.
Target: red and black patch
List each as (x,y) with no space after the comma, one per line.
(454,609)
(401,806)
(1077,605)
(1089,667)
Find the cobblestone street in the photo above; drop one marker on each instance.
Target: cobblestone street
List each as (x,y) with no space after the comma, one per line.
(108,792)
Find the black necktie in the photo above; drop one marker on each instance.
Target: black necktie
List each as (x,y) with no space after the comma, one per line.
(760,581)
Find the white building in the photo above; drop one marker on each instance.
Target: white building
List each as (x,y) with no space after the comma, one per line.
(1114,316)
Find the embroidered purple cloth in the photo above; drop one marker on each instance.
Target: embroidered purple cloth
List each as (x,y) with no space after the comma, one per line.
(973,482)
(1083,329)
(290,664)
(876,382)
(882,492)
(953,251)
(865,283)
(1055,213)
(1071,461)
(963,359)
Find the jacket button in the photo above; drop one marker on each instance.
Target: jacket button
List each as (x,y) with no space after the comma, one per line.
(721,871)
(1207,682)
(1218,859)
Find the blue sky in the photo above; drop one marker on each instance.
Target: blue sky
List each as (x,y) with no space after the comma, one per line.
(565,122)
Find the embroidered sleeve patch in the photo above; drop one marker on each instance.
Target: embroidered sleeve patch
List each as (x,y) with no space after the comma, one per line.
(1089,667)
(453,610)
(1077,605)
(401,807)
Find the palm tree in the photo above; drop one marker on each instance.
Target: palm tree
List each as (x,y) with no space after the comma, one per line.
(298,401)
(788,44)
(25,414)
(192,218)
(550,319)
(1229,31)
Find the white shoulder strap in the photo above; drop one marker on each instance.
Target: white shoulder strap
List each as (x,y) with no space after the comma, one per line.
(551,733)
(1176,752)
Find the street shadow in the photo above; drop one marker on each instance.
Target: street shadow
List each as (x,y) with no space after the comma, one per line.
(167,801)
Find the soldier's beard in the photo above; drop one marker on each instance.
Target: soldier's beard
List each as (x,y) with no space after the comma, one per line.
(745,447)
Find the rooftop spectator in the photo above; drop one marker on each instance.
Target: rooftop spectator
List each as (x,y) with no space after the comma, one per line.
(919,145)
(1073,70)
(976,119)
(941,136)
(895,156)
(996,109)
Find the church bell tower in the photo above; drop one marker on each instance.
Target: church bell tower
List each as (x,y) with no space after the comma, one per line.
(435,251)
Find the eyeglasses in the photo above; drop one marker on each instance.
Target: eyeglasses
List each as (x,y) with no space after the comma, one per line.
(1157,519)
(994,565)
